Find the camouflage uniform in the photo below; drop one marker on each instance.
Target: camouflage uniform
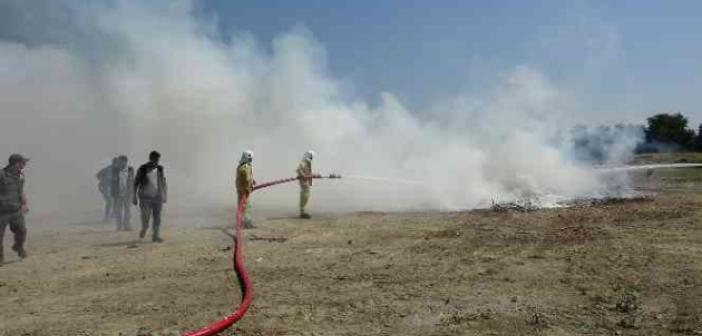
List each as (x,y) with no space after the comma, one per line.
(11,202)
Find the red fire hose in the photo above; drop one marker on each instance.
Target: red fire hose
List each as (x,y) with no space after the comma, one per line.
(244,280)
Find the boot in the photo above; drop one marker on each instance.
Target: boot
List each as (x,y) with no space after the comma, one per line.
(20,251)
(248,225)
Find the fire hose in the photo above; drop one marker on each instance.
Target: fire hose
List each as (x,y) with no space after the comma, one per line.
(238,259)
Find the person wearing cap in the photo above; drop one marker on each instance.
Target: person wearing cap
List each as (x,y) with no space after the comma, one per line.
(104,177)
(122,184)
(244,184)
(304,175)
(150,191)
(13,204)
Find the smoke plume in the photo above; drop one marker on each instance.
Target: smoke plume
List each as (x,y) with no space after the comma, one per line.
(85,81)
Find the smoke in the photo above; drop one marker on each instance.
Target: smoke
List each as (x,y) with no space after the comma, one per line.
(606,145)
(83,82)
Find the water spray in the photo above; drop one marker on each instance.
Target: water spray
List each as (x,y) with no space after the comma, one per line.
(649,167)
(382,179)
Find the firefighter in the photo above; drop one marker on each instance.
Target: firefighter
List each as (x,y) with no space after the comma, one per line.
(304,174)
(244,184)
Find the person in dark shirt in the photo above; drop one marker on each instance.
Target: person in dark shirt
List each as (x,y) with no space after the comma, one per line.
(13,204)
(104,177)
(150,191)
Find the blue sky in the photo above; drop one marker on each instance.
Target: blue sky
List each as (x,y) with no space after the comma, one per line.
(624,59)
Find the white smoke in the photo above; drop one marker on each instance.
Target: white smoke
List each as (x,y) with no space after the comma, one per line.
(129,78)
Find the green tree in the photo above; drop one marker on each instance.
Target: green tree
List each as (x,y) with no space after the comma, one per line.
(669,129)
(697,142)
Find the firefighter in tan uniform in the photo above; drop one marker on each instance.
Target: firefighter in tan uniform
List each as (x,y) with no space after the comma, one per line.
(244,184)
(304,174)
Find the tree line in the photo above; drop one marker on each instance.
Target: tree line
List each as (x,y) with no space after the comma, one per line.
(664,132)
(671,130)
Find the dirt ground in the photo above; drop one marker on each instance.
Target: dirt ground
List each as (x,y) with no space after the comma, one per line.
(613,268)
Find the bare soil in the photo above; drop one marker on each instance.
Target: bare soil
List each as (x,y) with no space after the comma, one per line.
(612,268)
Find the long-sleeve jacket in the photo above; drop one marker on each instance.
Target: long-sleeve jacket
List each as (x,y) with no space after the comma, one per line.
(11,191)
(104,176)
(244,178)
(304,173)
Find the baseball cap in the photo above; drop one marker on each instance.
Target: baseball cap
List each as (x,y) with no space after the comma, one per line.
(14,158)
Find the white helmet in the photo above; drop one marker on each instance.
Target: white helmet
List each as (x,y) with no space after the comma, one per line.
(246,157)
(308,156)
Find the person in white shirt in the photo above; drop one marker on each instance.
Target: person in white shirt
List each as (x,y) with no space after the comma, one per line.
(122,184)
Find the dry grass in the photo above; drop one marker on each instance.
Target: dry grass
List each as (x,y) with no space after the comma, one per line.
(618,268)
(668,158)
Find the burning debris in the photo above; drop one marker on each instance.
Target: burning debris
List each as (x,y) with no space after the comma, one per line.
(530,205)
(515,206)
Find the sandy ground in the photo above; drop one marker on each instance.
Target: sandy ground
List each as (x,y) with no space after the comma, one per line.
(616,268)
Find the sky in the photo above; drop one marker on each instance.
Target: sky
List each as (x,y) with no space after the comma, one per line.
(626,59)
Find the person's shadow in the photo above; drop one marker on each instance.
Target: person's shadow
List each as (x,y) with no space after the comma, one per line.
(9,262)
(95,223)
(128,244)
